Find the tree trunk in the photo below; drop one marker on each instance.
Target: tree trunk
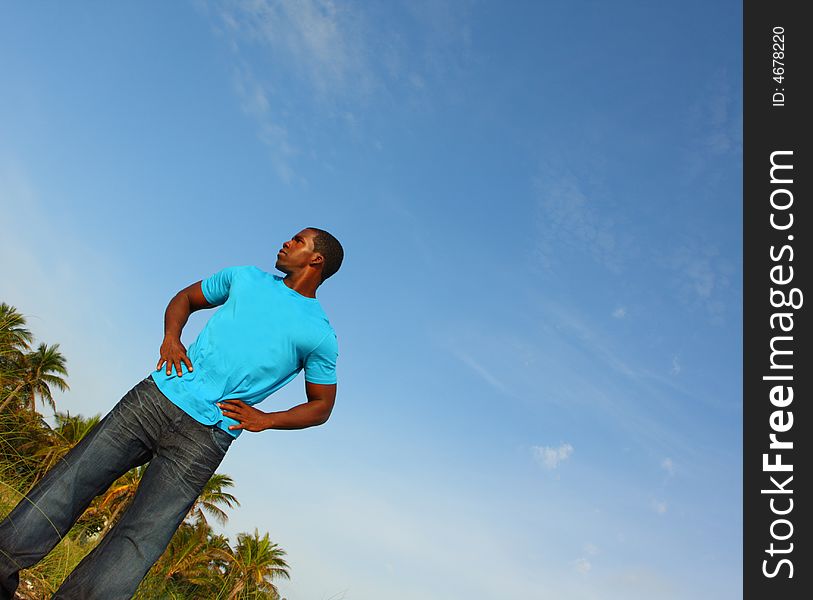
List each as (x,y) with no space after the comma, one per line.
(11,395)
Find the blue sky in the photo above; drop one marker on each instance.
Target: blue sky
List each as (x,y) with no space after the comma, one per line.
(539,314)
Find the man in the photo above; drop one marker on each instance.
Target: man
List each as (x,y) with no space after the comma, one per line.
(184,416)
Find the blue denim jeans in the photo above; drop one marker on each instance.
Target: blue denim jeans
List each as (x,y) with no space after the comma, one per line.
(144,426)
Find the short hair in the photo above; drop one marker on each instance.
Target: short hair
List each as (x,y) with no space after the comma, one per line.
(330,248)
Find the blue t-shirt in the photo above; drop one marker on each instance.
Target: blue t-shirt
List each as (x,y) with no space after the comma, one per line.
(259,340)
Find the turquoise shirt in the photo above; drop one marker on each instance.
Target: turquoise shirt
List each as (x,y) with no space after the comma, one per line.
(260,339)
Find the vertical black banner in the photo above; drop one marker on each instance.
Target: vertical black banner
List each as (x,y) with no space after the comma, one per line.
(777,370)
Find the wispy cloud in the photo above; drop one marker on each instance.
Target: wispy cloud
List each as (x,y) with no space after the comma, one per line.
(550,457)
(347,50)
(316,37)
(668,465)
(702,271)
(582,566)
(723,117)
(292,61)
(676,366)
(544,365)
(505,361)
(255,102)
(447,39)
(578,328)
(702,277)
(569,218)
(715,123)
(300,65)
(481,370)
(659,506)
(620,312)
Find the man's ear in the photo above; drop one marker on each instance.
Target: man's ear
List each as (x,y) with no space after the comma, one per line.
(317,260)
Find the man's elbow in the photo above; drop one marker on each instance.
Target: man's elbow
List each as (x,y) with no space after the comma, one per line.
(323,415)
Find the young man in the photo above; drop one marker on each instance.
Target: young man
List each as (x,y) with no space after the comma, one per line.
(184,416)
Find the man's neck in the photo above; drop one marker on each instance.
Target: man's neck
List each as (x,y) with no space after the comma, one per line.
(302,284)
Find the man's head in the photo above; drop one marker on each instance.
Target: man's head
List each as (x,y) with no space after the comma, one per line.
(311,248)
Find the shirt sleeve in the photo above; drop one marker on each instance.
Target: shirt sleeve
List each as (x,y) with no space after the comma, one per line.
(216,287)
(320,364)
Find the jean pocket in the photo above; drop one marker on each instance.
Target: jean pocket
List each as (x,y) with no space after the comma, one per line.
(221,439)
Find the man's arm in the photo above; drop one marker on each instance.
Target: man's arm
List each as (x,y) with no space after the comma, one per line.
(315,411)
(183,304)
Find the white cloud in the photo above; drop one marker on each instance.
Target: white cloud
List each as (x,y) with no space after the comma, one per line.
(668,465)
(550,457)
(582,565)
(676,366)
(660,507)
(620,312)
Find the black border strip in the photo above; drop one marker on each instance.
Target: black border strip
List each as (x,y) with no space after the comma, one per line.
(776,106)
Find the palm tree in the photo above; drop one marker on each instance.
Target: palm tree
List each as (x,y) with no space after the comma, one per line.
(15,340)
(118,496)
(187,557)
(69,431)
(212,498)
(193,566)
(253,566)
(23,436)
(197,563)
(40,369)
(13,334)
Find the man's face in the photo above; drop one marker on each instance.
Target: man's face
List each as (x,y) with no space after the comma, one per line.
(296,252)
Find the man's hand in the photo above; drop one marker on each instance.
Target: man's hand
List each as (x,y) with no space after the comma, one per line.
(313,412)
(173,352)
(249,418)
(183,304)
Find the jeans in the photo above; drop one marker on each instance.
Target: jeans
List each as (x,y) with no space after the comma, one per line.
(144,426)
